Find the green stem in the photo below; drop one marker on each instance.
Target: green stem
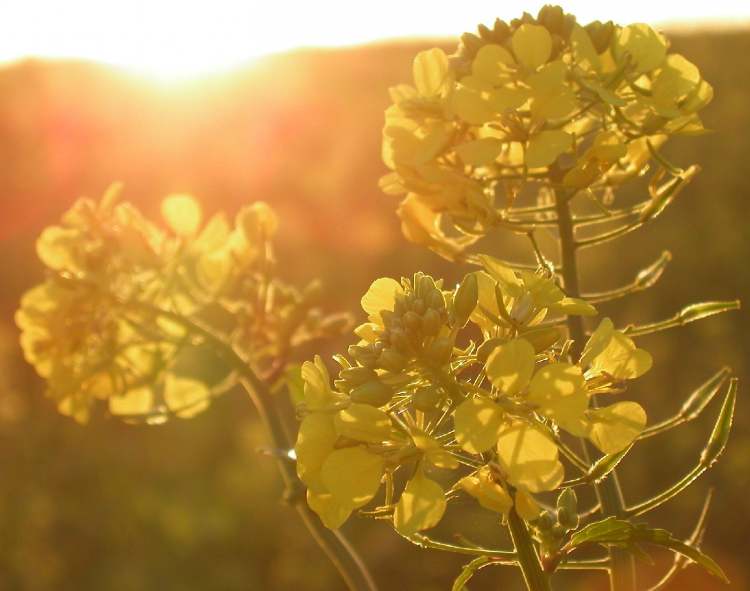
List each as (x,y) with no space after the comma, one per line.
(622,573)
(528,559)
(337,548)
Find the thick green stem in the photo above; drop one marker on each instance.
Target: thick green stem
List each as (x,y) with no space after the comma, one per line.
(535,578)
(622,574)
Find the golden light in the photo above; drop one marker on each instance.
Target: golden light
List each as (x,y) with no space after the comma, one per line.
(178,39)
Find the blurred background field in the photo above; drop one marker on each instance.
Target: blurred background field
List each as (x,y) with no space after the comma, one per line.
(191,505)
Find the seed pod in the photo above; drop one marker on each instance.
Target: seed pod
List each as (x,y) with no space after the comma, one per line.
(392,360)
(426,398)
(374,393)
(466,299)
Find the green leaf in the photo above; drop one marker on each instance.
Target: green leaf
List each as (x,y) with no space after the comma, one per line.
(613,531)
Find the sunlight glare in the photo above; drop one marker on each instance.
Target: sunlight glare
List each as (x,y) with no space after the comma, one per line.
(176,40)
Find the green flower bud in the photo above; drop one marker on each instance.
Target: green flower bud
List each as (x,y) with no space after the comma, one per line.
(435,299)
(567,508)
(567,519)
(356,376)
(546,521)
(431,322)
(399,341)
(374,393)
(412,321)
(418,305)
(365,356)
(440,350)
(551,17)
(392,360)
(426,398)
(466,299)
(601,34)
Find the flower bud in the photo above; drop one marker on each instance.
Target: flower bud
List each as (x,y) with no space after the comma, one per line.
(523,308)
(431,322)
(356,376)
(427,398)
(440,350)
(466,299)
(374,393)
(363,355)
(392,360)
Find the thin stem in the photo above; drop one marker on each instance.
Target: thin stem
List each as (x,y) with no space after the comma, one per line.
(609,493)
(336,547)
(667,494)
(528,559)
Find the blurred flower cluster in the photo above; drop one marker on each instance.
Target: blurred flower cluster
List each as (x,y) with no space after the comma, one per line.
(540,101)
(463,391)
(129,309)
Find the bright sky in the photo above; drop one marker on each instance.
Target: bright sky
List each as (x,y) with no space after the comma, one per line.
(175,39)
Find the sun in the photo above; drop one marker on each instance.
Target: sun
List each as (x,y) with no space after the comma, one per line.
(180,39)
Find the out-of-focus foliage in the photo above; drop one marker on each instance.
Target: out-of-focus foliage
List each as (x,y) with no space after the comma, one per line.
(123,508)
(124,314)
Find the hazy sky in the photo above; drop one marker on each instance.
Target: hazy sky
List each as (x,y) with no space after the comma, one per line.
(181,38)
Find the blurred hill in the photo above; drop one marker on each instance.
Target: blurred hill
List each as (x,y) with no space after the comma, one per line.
(190,506)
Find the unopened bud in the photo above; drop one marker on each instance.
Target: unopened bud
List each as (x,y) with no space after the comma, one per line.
(431,322)
(466,299)
(427,398)
(440,350)
(392,360)
(374,393)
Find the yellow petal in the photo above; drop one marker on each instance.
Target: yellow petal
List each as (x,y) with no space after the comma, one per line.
(421,506)
(492,63)
(526,507)
(510,366)
(559,392)
(480,152)
(430,71)
(182,214)
(317,390)
(646,47)
(332,513)
(532,45)
(584,53)
(477,423)
(471,106)
(315,440)
(545,147)
(573,307)
(363,422)
(138,401)
(610,351)
(185,397)
(381,296)
(615,427)
(529,457)
(490,494)
(352,475)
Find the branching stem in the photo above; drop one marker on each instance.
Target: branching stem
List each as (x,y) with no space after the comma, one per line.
(622,572)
